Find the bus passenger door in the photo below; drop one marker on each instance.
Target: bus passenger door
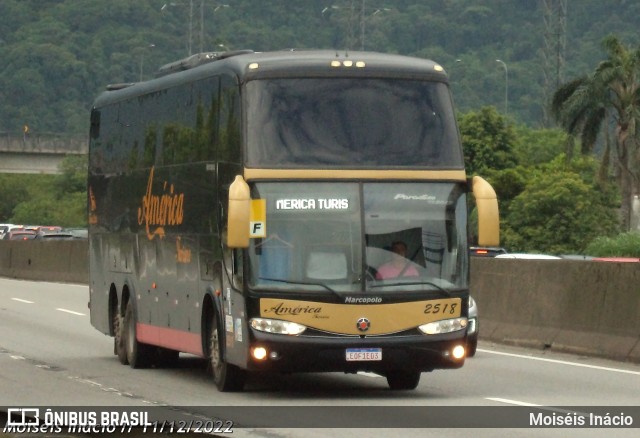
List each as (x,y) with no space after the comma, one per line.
(232,300)
(234,309)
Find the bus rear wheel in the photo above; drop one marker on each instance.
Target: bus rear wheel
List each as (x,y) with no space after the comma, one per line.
(138,354)
(403,379)
(227,377)
(119,344)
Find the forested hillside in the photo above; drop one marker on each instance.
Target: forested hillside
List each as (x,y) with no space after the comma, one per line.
(57,55)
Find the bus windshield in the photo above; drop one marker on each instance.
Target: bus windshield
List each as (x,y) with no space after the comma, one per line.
(352,122)
(344,237)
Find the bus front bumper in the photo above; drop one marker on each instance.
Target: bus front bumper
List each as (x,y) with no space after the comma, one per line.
(335,354)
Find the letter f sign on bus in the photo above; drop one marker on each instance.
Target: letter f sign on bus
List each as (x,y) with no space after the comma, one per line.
(258,218)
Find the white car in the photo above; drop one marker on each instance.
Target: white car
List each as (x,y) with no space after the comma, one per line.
(4,229)
(527,256)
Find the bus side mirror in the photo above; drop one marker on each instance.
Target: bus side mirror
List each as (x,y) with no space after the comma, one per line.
(238,214)
(488,214)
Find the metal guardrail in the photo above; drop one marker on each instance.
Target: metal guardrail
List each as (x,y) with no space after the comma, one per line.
(43,143)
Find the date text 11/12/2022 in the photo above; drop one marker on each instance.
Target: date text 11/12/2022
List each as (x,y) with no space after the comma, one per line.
(177,426)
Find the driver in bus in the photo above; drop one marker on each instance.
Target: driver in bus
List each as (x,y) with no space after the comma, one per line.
(399,265)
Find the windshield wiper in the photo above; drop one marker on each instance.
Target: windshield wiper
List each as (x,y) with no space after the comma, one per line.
(414,283)
(307,283)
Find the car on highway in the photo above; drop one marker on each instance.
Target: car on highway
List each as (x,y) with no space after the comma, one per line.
(617,259)
(48,229)
(4,228)
(576,257)
(526,256)
(78,233)
(54,236)
(12,227)
(486,251)
(20,235)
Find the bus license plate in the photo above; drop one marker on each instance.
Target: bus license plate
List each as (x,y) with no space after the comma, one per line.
(363,354)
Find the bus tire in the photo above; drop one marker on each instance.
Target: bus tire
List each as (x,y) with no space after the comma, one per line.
(119,338)
(403,379)
(138,354)
(227,377)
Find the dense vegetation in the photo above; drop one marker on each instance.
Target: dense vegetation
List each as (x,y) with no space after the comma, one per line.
(46,199)
(59,54)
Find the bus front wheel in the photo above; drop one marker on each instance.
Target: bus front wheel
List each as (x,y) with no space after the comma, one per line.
(403,379)
(227,377)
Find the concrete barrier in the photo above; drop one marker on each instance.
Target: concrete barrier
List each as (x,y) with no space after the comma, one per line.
(582,307)
(62,260)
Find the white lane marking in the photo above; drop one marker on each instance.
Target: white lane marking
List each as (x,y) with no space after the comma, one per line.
(532,405)
(109,389)
(70,311)
(511,402)
(563,362)
(22,301)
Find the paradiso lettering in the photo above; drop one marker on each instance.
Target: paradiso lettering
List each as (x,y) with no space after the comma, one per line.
(160,210)
(425,197)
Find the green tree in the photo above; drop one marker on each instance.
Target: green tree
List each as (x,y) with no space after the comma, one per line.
(49,199)
(487,141)
(622,245)
(585,106)
(538,146)
(561,210)
(39,209)
(73,176)
(13,190)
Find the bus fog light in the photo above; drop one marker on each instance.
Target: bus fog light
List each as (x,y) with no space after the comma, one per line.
(277,326)
(458,352)
(274,355)
(444,326)
(259,353)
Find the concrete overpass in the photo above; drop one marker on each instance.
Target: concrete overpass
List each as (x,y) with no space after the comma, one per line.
(38,153)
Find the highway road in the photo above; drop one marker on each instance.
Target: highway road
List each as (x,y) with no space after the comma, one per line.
(50,355)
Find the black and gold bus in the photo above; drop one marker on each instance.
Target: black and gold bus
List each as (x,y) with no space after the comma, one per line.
(244,207)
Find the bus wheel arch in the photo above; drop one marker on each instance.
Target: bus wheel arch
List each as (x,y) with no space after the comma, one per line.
(207,313)
(137,353)
(226,376)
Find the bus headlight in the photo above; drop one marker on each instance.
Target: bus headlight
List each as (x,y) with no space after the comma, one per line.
(277,326)
(444,326)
